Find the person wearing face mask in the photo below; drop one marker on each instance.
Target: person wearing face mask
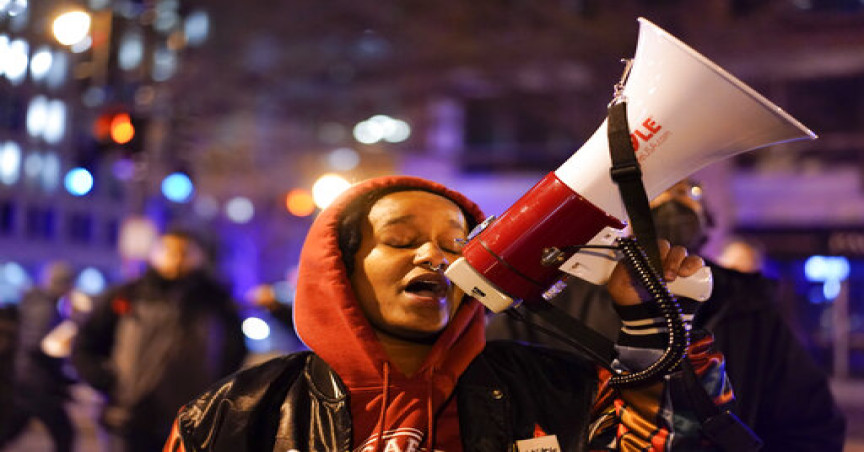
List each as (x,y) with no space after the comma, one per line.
(780,392)
(398,360)
(152,343)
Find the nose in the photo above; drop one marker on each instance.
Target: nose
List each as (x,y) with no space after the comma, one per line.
(431,256)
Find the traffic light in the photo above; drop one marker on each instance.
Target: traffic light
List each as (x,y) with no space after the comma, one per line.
(120,130)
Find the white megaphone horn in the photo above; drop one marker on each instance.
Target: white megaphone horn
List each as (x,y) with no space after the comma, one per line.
(684,113)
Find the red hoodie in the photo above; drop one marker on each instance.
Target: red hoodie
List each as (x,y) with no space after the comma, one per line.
(406,411)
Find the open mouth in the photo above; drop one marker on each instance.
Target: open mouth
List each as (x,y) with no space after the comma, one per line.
(428,286)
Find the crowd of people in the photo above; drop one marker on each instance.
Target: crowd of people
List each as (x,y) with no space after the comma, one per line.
(147,346)
(401,359)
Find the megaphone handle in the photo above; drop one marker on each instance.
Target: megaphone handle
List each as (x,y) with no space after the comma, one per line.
(679,340)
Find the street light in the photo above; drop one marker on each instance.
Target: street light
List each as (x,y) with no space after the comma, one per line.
(71,27)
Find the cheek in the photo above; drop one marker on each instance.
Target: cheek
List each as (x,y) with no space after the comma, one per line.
(455,300)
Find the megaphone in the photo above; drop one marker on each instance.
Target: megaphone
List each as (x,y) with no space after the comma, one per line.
(684,113)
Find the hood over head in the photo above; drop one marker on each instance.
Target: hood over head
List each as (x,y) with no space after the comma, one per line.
(330,321)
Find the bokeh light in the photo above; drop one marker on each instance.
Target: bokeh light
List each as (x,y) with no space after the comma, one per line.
(343,159)
(327,188)
(50,174)
(382,128)
(14,274)
(90,281)
(164,64)
(826,268)
(196,27)
(206,207)
(71,27)
(300,202)
(16,60)
(40,63)
(178,187)
(78,181)
(239,209)
(56,77)
(10,162)
(33,165)
(55,124)
(130,53)
(37,115)
(122,131)
(256,329)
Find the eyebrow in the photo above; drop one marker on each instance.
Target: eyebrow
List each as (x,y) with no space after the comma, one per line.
(407,219)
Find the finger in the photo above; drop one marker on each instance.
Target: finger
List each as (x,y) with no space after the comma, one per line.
(672,262)
(690,266)
(663,246)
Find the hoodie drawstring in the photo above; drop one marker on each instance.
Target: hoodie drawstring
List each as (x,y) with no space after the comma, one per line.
(386,396)
(430,430)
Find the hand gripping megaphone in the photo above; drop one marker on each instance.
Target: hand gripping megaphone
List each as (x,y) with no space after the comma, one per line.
(684,113)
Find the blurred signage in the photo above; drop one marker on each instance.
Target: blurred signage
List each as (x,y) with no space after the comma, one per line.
(799,242)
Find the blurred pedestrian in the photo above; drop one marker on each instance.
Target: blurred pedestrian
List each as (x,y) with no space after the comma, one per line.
(743,255)
(152,343)
(780,391)
(8,339)
(41,386)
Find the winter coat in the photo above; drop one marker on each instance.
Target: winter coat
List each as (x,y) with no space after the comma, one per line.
(152,344)
(38,315)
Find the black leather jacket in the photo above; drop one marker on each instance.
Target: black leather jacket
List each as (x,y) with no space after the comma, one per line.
(298,402)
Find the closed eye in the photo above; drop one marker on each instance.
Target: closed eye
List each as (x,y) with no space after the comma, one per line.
(402,245)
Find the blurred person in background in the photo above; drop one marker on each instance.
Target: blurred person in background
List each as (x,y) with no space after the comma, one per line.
(154,342)
(40,382)
(780,391)
(8,339)
(742,255)
(264,296)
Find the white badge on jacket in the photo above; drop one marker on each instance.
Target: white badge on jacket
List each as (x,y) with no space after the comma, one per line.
(548,443)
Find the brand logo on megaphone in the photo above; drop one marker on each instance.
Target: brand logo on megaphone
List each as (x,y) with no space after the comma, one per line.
(648,129)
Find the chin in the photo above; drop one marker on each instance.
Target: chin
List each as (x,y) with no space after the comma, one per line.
(422,335)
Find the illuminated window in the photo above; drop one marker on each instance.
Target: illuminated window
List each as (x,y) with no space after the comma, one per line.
(10,162)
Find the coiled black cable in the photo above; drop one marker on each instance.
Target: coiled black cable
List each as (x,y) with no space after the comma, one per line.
(678,336)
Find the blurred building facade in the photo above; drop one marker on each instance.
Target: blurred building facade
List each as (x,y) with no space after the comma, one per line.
(80,131)
(496,94)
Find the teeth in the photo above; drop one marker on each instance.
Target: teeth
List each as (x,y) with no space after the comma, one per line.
(426,293)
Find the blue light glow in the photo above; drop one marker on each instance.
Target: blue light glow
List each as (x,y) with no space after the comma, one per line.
(826,268)
(90,281)
(78,181)
(178,187)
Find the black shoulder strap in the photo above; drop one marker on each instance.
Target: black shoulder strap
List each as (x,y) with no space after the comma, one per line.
(627,173)
(723,428)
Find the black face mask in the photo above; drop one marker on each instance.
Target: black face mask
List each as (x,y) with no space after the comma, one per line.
(680,225)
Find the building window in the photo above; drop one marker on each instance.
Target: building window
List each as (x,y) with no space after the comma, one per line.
(7,217)
(112,233)
(79,227)
(41,223)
